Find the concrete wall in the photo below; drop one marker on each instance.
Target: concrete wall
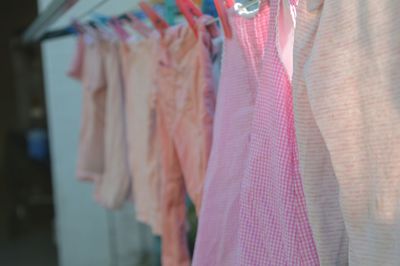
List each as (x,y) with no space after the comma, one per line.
(86,234)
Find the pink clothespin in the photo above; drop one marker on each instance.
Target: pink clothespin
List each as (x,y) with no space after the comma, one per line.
(139,26)
(158,22)
(190,11)
(117,26)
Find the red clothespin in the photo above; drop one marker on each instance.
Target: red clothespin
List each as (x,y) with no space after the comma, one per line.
(158,22)
(229,3)
(190,11)
(139,26)
(223,17)
(117,26)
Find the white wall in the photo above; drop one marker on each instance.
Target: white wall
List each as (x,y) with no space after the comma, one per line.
(87,235)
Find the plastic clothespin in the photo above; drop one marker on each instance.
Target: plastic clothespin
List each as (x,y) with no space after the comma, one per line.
(117,26)
(84,29)
(158,22)
(78,27)
(138,25)
(229,3)
(190,11)
(102,23)
(223,17)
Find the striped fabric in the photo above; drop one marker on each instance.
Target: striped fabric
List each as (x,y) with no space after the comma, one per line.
(217,236)
(347,106)
(274,228)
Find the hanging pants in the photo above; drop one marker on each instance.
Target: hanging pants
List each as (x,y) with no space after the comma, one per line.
(185,114)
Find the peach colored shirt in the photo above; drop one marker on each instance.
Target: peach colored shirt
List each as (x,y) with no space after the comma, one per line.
(88,67)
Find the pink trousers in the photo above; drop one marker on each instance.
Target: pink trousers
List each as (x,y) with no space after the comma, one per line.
(185,114)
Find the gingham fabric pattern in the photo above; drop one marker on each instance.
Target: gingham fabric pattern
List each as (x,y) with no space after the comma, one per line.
(217,235)
(274,228)
(347,61)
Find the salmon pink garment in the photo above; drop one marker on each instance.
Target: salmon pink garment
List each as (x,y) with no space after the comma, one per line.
(274,228)
(113,187)
(139,68)
(90,71)
(185,112)
(217,237)
(347,61)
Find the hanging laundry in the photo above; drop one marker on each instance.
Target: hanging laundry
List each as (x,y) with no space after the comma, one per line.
(217,242)
(112,190)
(320,184)
(274,228)
(139,69)
(88,67)
(185,114)
(346,87)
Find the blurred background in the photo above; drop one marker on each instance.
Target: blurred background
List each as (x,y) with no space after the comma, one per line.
(47,217)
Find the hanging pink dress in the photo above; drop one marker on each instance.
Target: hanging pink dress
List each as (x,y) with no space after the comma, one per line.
(274,228)
(217,236)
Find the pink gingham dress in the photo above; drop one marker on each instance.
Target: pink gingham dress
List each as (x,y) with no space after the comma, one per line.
(217,235)
(274,228)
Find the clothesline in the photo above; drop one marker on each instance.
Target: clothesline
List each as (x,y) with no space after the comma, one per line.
(70,30)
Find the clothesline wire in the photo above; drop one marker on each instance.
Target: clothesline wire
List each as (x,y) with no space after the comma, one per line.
(103,2)
(67,31)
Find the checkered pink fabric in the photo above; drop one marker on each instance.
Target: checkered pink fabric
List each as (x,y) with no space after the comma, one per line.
(274,228)
(217,237)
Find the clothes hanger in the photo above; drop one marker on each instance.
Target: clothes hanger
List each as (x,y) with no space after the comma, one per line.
(249,9)
(158,22)
(190,11)
(137,25)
